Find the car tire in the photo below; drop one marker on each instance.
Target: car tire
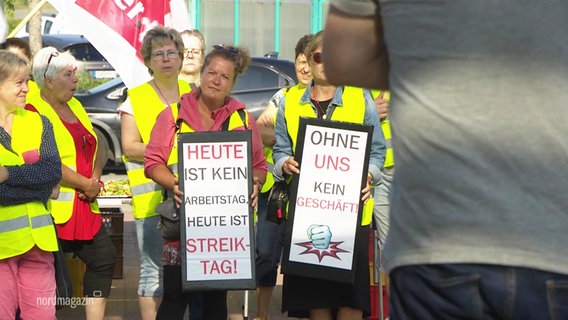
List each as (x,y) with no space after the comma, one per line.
(103,145)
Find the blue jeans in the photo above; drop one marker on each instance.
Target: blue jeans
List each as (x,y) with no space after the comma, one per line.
(477,291)
(150,244)
(269,242)
(381,209)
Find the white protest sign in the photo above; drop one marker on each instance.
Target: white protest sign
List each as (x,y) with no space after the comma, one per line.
(325,208)
(216,218)
(328,196)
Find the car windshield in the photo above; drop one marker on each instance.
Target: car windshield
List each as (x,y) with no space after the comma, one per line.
(86,52)
(257,77)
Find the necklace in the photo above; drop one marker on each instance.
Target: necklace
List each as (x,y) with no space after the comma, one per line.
(162,97)
(319,110)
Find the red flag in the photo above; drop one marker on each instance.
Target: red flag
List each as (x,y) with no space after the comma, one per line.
(116,28)
(3,26)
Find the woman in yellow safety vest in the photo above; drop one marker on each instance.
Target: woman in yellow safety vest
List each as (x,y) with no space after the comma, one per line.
(162,50)
(305,296)
(76,212)
(30,169)
(269,236)
(207,108)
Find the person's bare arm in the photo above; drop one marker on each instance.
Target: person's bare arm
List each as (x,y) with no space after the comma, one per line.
(265,124)
(89,187)
(132,145)
(354,52)
(98,165)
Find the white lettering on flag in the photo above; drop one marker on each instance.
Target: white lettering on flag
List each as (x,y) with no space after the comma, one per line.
(116,29)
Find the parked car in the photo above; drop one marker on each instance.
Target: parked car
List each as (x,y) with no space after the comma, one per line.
(255,87)
(50,24)
(90,59)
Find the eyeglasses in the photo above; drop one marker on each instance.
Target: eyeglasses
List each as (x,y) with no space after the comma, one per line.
(53,54)
(316,56)
(194,52)
(160,55)
(233,51)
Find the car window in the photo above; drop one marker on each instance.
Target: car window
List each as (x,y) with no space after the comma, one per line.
(85,52)
(47,26)
(257,77)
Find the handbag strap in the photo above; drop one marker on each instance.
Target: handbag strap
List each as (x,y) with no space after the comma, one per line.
(243,116)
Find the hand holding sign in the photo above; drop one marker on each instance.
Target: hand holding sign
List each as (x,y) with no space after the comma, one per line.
(320,236)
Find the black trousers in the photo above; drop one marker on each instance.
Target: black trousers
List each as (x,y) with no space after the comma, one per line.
(212,304)
(99,256)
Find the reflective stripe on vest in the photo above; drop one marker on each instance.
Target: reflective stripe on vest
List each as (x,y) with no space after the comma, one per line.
(22,222)
(146,106)
(269,181)
(351,110)
(62,208)
(385,126)
(24,225)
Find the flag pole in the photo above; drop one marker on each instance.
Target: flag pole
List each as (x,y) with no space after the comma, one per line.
(27,18)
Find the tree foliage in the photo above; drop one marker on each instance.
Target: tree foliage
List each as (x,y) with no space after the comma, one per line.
(8,6)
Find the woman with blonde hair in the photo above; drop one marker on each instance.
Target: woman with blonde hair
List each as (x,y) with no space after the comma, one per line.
(29,170)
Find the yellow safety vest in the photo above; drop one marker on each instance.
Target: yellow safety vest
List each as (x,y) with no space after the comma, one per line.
(146,106)
(24,225)
(269,182)
(62,208)
(385,126)
(352,110)
(32,88)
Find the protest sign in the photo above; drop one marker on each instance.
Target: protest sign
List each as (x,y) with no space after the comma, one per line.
(215,175)
(325,199)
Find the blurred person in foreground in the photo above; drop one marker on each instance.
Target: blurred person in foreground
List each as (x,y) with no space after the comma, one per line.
(270,236)
(162,51)
(30,168)
(479,211)
(193,54)
(206,108)
(76,212)
(304,296)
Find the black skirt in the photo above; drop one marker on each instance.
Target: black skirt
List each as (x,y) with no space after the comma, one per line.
(301,294)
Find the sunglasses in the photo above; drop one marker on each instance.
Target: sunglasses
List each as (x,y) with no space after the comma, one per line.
(316,56)
(53,54)
(233,51)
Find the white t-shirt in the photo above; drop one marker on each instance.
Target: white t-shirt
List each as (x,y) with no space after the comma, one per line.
(126,107)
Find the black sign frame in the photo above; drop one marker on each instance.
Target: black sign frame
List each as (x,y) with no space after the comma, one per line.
(217,137)
(312,270)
